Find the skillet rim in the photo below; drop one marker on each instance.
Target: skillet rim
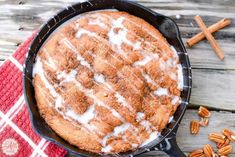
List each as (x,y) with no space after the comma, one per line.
(37,41)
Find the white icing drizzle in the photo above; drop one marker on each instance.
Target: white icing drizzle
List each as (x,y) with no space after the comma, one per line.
(37,69)
(58,99)
(172,63)
(106,149)
(116,40)
(79,57)
(175,54)
(175,99)
(180,77)
(179,69)
(129,20)
(81,31)
(173,75)
(154,135)
(85,117)
(123,101)
(147,58)
(140,116)
(148,79)
(71,77)
(147,125)
(144,61)
(117,130)
(60,75)
(170,119)
(58,102)
(121,128)
(49,61)
(161,92)
(162,65)
(99,78)
(97,22)
(119,38)
(118,96)
(133,145)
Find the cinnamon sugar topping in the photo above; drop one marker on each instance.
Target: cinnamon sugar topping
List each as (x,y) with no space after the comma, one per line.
(110,78)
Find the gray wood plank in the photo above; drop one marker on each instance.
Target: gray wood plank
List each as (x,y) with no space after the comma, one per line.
(214,88)
(188,142)
(217,122)
(18,20)
(213,80)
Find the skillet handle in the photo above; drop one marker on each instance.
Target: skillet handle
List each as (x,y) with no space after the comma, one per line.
(170,146)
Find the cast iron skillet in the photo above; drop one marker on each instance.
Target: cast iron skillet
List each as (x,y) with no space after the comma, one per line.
(167,141)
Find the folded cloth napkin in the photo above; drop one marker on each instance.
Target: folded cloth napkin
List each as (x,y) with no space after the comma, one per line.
(17,138)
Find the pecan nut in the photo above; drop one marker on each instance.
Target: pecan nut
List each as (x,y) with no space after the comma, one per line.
(220,145)
(216,137)
(215,155)
(229,134)
(208,150)
(204,122)
(225,150)
(204,112)
(196,153)
(194,127)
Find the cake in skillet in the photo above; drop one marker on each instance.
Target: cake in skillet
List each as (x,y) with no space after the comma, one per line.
(107,82)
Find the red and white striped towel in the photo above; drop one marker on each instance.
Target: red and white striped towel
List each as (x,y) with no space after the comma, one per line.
(17,138)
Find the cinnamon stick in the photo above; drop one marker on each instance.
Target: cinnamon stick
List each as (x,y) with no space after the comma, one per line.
(213,28)
(209,37)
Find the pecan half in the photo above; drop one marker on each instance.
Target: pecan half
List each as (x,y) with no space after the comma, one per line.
(229,134)
(204,112)
(225,150)
(196,153)
(208,150)
(204,121)
(215,155)
(216,137)
(194,127)
(220,145)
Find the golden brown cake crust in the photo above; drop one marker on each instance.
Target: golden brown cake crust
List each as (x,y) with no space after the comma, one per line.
(107,82)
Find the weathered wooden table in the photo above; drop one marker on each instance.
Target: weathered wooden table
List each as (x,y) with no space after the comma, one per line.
(213,80)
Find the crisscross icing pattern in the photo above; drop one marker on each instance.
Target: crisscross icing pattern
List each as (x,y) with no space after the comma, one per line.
(107,82)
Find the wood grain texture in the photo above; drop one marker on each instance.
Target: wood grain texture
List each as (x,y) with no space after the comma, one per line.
(188,142)
(18,19)
(213,80)
(217,122)
(214,88)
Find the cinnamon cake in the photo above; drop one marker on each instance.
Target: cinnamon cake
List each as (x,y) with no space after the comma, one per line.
(107,82)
